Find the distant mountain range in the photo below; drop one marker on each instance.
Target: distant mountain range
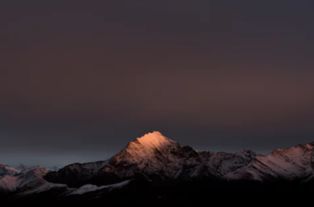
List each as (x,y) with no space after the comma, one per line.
(161,169)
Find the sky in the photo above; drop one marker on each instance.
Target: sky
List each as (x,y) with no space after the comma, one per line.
(80,79)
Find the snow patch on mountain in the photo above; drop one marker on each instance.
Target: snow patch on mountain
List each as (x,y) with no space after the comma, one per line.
(88,188)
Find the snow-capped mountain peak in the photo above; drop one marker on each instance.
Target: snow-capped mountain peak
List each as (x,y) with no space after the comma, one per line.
(154,140)
(150,155)
(151,148)
(147,145)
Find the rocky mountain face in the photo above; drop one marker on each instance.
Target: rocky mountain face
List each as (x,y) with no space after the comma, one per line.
(156,158)
(152,155)
(294,163)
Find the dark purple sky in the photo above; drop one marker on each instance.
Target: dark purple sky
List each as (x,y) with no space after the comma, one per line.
(79,79)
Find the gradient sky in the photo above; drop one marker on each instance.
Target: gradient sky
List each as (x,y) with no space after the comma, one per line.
(79,79)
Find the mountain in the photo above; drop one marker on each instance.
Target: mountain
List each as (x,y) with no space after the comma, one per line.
(156,154)
(157,167)
(156,157)
(294,163)
(26,182)
(150,156)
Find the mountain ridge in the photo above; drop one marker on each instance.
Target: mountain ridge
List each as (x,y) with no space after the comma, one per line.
(155,158)
(154,155)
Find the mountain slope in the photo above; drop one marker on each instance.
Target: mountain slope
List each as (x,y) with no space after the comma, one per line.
(27,181)
(153,156)
(286,164)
